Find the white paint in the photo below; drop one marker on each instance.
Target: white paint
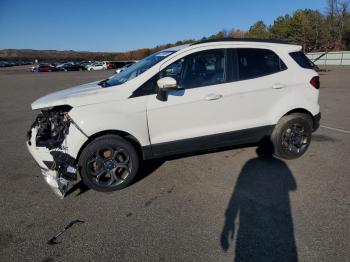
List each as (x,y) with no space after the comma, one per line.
(336,129)
(187,113)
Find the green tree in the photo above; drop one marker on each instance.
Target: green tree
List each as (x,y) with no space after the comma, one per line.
(305,27)
(259,30)
(280,28)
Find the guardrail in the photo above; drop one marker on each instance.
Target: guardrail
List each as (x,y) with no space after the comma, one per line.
(330,58)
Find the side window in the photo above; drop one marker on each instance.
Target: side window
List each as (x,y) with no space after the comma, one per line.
(302,59)
(173,70)
(253,63)
(148,88)
(199,69)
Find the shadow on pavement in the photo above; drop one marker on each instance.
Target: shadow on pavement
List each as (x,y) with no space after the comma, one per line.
(259,211)
(146,168)
(78,186)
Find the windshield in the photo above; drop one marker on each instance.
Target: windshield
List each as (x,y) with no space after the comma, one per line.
(137,69)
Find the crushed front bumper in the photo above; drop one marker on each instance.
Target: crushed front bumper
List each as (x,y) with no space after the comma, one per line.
(51,169)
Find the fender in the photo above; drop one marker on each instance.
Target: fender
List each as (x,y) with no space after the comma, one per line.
(303,98)
(128,116)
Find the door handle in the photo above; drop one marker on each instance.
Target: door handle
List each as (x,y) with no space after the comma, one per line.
(213,97)
(278,86)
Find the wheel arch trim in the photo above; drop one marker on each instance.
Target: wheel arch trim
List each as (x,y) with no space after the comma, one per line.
(129,137)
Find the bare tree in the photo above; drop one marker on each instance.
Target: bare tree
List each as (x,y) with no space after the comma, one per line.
(337,12)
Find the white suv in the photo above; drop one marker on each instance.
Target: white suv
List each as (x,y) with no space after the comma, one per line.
(184,99)
(97,66)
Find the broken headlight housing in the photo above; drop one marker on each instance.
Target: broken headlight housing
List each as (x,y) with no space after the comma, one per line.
(52,127)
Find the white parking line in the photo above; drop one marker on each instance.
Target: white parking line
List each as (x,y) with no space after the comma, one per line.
(336,129)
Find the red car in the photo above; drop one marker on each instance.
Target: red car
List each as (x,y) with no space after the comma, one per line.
(115,64)
(44,68)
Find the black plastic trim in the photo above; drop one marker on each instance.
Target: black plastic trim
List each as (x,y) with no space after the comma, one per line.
(230,39)
(317,119)
(251,135)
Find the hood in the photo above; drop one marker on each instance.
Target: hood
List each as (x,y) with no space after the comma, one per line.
(65,96)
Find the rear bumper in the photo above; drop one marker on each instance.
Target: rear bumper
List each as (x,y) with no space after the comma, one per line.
(316,122)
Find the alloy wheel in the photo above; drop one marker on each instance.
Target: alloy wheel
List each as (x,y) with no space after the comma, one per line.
(109,166)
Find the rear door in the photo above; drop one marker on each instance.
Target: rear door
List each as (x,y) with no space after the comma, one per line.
(262,82)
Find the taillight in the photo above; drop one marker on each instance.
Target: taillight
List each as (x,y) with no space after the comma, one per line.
(315,82)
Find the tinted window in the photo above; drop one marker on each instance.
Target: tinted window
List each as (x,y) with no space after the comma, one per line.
(174,70)
(200,69)
(148,88)
(254,63)
(301,59)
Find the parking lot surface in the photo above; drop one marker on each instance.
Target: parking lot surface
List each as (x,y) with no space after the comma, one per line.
(218,206)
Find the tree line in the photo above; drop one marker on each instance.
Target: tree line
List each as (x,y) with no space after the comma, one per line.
(313,30)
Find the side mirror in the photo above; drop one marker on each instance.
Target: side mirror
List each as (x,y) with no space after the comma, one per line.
(165,84)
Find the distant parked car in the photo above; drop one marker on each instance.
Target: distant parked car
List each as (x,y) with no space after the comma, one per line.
(96,66)
(44,68)
(110,65)
(115,64)
(4,64)
(12,63)
(70,67)
(85,64)
(123,68)
(25,63)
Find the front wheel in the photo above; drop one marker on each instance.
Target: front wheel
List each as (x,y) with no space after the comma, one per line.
(108,163)
(291,136)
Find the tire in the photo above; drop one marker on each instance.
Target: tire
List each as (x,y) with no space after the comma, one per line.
(108,163)
(291,136)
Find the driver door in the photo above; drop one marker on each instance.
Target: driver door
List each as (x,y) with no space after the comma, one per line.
(195,111)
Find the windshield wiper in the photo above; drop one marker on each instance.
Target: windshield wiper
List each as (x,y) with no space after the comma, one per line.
(104,83)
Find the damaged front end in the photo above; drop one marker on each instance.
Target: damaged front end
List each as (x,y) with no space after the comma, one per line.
(47,142)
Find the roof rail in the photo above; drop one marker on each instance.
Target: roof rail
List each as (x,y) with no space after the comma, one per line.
(274,41)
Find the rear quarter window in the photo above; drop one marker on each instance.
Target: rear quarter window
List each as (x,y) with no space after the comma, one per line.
(301,60)
(253,63)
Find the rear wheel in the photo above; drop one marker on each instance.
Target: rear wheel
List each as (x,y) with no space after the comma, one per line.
(291,136)
(108,163)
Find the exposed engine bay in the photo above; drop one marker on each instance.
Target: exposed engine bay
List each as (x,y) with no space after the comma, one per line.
(49,131)
(52,128)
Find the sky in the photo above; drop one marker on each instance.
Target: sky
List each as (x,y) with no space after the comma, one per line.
(117,26)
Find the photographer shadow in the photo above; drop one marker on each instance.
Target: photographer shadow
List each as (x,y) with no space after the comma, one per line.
(259,211)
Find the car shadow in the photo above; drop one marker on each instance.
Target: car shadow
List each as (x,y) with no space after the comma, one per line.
(146,168)
(258,217)
(79,188)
